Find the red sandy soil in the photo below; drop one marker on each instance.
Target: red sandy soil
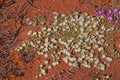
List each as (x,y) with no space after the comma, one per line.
(66,6)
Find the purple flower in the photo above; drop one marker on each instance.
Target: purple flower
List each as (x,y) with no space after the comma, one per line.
(111,14)
(100,11)
(117,22)
(119,12)
(110,18)
(116,10)
(109,11)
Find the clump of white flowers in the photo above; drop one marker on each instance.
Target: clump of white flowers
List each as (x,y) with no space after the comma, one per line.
(37,21)
(72,38)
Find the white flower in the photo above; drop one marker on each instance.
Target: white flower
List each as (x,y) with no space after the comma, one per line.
(102,66)
(54,64)
(17,49)
(96,60)
(54,46)
(46,62)
(49,29)
(74,65)
(41,47)
(56,14)
(99,42)
(80,36)
(97,33)
(49,67)
(38,42)
(81,29)
(101,36)
(86,24)
(103,56)
(63,29)
(28,19)
(96,46)
(59,53)
(73,20)
(40,75)
(53,40)
(82,55)
(87,57)
(41,66)
(88,47)
(39,53)
(79,43)
(70,64)
(91,59)
(75,50)
(95,23)
(55,30)
(75,29)
(87,39)
(32,44)
(81,23)
(39,33)
(44,28)
(79,49)
(30,32)
(45,55)
(30,23)
(80,59)
(67,27)
(69,41)
(95,65)
(76,46)
(91,54)
(48,34)
(57,62)
(87,65)
(46,40)
(64,23)
(20,47)
(100,49)
(93,19)
(86,14)
(102,40)
(43,71)
(103,27)
(90,30)
(51,46)
(46,45)
(65,59)
(55,17)
(101,16)
(72,59)
(63,15)
(82,51)
(24,44)
(109,59)
(46,49)
(85,35)
(67,53)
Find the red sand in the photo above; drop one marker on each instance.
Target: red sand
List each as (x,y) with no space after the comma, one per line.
(66,6)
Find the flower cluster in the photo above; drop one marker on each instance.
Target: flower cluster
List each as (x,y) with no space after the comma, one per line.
(73,38)
(111,14)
